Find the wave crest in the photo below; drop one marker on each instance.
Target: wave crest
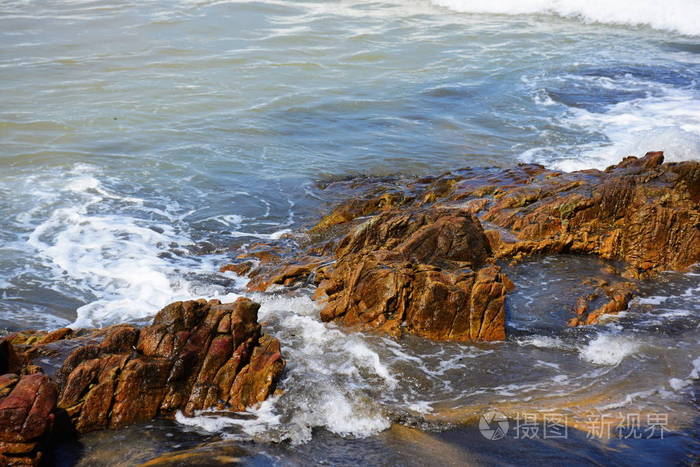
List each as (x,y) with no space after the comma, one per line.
(682,16)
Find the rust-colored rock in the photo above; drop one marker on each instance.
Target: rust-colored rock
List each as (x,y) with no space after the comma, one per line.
(240,269)
(414,271)
(195,355)
(208,454)
(641,211)
(26,417)
(618,295)
(35,338)
(289,274)
(415,256)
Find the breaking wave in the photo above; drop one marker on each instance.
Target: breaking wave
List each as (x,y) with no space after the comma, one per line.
(682,16)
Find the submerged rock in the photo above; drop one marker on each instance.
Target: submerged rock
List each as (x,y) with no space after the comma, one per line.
(419,255)
(217,453)
(619,296)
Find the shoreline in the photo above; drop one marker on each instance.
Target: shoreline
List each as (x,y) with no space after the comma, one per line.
(423,250)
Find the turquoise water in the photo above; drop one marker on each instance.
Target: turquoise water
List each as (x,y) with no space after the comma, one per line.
(144,143)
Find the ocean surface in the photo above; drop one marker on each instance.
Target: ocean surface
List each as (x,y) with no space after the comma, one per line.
(143,144)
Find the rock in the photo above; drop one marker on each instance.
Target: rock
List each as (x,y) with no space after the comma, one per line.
(32,345)
(240,269)
(195,355)
(443,237)
(619,296)
(640,211)
(418,255)
(11,361)
(414,271)
(26,417)
(354,208)
(33,338)
(206,455)
(291,273)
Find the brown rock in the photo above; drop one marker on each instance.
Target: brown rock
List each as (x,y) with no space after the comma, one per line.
(412,271)
(429,236)
(11,361)
(216,453)
(416,264)
(641,211)
(26,417)
(300,270)
(240,269)
(619,296)
(354,208)
(195,355)
(257,380)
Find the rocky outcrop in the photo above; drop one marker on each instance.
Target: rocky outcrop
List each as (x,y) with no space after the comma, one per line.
(640,211)
(420,272)
(195,355)
(420,255)
(27,403)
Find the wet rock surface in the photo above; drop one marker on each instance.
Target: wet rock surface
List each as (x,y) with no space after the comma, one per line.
(196,355)
(641,212)
(217,453)
(421,256)
(27,403)
(420,272)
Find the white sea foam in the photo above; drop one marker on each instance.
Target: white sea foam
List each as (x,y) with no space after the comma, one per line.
(114,257)
(272,236)
(681,16)
(254,421)
(545,342)
(339,414)
(608,349)
(328,374)
(678,384)
(123,264)
(669,122)
(654,300)
(27,317)
(695,373)
(628,399)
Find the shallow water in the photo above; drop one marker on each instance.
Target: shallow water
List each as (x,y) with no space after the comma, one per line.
(144,143)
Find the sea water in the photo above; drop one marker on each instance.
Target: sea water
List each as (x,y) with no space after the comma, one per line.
(145,143)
